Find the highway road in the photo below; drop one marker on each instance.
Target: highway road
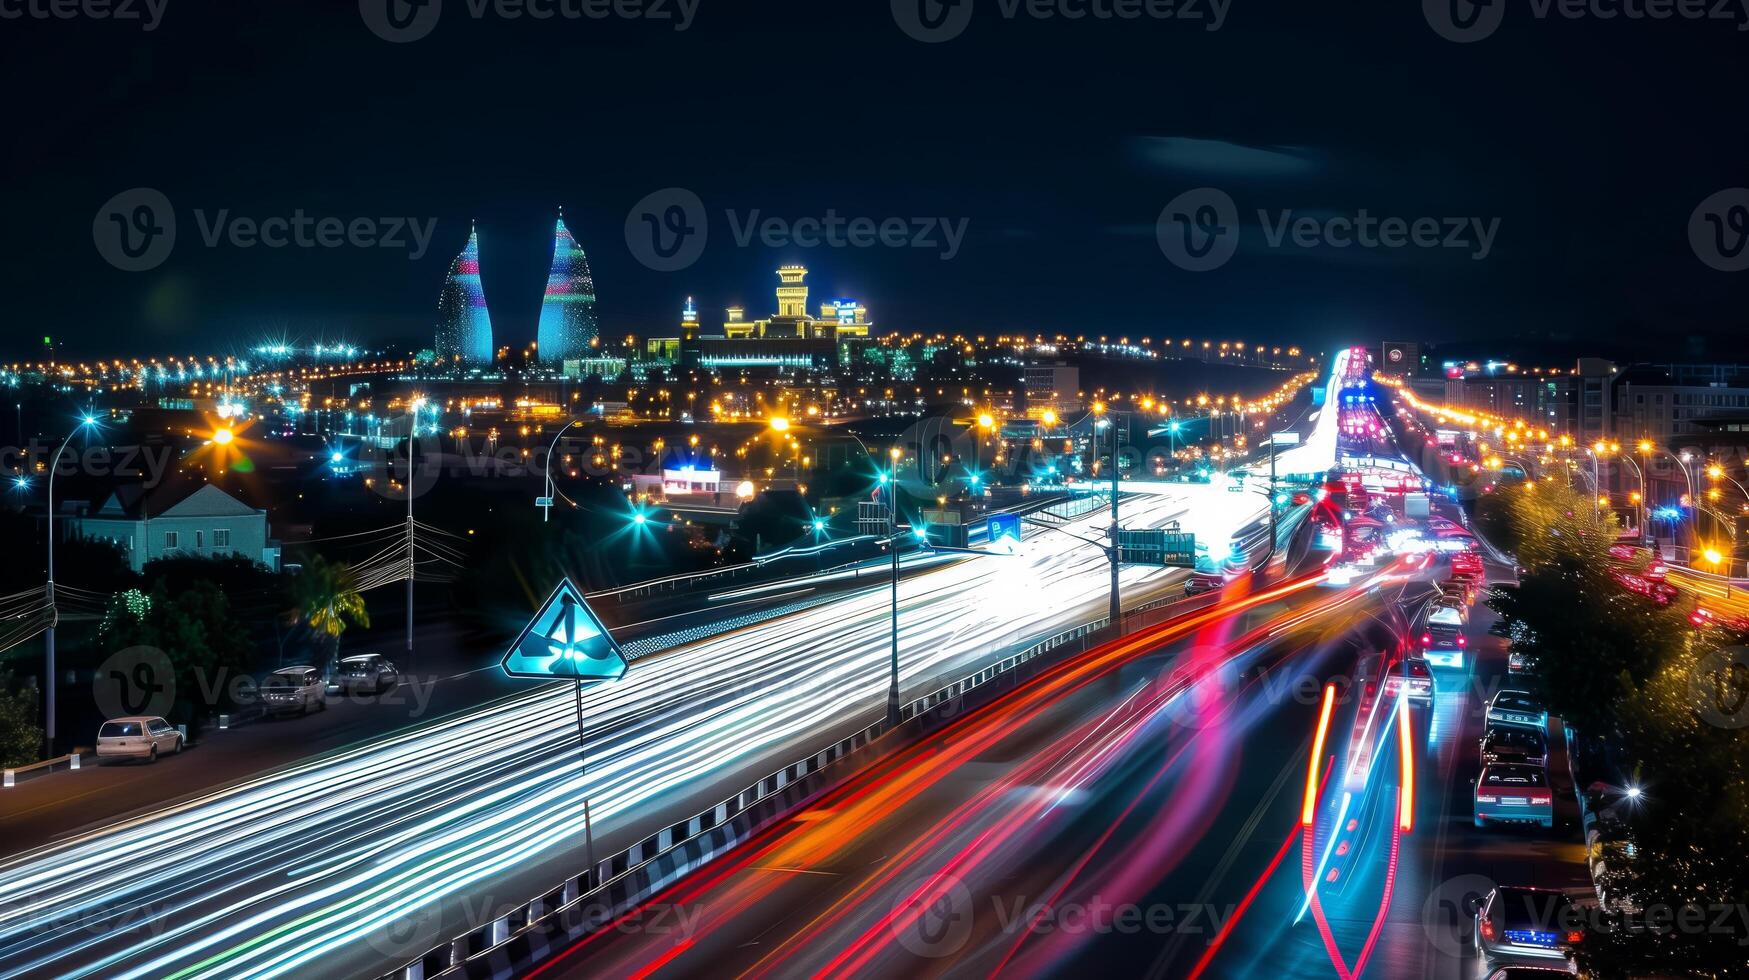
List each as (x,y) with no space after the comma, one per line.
(1109,819)
(323,864)
(1019,838)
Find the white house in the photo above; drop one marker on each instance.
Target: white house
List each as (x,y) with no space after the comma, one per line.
(208,523)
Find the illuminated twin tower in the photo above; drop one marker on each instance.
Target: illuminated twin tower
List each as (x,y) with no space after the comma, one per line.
(568,326)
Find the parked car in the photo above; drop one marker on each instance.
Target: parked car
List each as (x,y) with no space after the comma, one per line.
(294,690)
(1515,923)
(368,672)
(1514,794)
(1442,636)
(1412,678)
(1517,662)
(1509,707)
(1514,746)
(137,737)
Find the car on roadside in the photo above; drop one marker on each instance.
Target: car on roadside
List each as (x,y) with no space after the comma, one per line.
(294,691)
(137,737)
(1520,708)
(1517,662)
(1514,924)
(1509,745)
(366,673)
(1411,678)
(1442,636)
(1514,794)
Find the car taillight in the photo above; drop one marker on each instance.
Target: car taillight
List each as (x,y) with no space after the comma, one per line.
(1487,930)
(1487,799)
(1539,800)
(1463,641)
(1575,936)
(1427,639)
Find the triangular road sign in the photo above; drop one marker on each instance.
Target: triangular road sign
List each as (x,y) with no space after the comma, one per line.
(565,640)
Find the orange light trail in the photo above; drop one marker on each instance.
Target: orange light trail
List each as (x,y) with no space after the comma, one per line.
(1309,809)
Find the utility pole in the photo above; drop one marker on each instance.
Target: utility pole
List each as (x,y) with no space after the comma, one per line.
(412,445)
(1116,602)
(893,456)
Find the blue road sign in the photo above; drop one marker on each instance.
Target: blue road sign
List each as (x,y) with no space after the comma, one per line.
(565,640)
(1000,528)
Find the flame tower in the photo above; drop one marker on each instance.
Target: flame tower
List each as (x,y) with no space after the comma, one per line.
(464,325)
(568,326)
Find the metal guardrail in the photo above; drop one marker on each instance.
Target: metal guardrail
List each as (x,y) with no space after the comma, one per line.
(69,762)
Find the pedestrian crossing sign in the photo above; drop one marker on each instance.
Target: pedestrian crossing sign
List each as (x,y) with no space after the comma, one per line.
(565,640)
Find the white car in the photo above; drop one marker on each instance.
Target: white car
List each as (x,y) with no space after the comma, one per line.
(140,737)
(294,690)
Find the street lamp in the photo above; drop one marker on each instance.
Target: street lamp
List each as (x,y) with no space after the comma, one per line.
(86,421)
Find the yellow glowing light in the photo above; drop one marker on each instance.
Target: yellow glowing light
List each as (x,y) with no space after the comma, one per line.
(779,424)
(223,437)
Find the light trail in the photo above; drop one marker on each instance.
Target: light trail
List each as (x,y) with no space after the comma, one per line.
(224,885)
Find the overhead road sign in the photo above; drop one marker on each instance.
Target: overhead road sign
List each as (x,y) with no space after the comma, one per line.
(565,640)
(1157,547)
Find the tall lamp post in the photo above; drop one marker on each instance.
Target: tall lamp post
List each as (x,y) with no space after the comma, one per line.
(86,421)
(889,479)
(412,561)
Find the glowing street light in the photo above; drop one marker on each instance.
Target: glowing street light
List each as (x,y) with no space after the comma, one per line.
(224,437)
(779,424)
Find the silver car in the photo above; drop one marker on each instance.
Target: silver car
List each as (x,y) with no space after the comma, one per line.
(294,691)
(1526,925)
(140,737)
(369,672)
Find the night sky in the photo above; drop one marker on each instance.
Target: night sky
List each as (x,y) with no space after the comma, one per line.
(1591,142)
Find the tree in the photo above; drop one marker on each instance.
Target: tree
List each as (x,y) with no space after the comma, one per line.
(196,631)
(21,737)
(326,597)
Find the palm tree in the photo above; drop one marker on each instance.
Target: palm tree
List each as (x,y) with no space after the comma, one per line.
(327,600)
